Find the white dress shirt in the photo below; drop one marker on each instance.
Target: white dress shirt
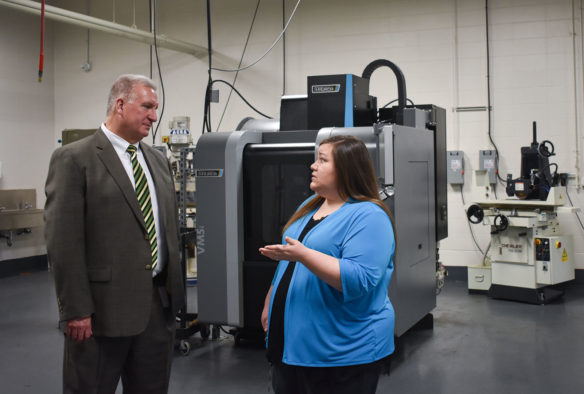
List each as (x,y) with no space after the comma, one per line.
(120,146)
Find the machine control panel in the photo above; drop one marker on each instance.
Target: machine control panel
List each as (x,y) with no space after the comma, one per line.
(542,249)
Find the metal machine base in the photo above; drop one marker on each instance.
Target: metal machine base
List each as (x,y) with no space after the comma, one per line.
(425,323)
(187,323)
(474,291)
(252,335)
(541,296)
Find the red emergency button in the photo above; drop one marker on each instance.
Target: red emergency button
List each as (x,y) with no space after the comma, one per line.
(558,244)
(538,241)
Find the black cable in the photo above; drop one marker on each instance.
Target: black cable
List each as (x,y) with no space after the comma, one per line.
(225,331)
(240,61)
(393,101)
(489,98)
(469,226)
(549,184)
(209,48)
(486,252)
(572,204)
(159,76)
(399,76)
(150,24)
(207,109)
(207,106)
(239,94)
(283,48)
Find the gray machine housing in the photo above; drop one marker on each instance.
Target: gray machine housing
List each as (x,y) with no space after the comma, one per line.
(404,161)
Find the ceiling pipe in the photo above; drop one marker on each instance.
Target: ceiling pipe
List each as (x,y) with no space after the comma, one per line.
(89,22)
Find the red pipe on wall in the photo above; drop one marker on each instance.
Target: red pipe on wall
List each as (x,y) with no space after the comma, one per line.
(42,54)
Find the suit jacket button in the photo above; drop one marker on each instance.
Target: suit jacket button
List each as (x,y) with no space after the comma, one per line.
(148,267)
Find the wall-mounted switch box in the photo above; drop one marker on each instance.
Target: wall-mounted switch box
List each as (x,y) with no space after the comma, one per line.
(487,162)
(455,167)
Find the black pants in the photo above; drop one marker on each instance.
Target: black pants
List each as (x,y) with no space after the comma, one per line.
(291,379)
(143,362)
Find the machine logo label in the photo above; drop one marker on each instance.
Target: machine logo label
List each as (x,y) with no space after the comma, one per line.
(513,248)
(179,131)
(332,88)
(200,240)
(218,173)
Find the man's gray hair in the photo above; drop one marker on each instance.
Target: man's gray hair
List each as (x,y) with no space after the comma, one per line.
(122,88)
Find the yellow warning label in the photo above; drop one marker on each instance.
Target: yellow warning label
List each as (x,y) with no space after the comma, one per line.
(564,256)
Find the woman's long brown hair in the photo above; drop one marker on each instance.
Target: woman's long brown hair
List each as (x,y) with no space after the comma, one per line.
(354,172)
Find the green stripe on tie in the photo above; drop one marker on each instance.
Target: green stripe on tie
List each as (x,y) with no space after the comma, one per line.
(143,196)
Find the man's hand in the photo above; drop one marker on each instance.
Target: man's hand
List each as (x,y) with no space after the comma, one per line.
(79,330)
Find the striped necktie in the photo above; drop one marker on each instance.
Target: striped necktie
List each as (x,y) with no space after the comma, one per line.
(143,194)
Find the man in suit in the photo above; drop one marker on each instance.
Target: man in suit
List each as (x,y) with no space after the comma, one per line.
(113,245)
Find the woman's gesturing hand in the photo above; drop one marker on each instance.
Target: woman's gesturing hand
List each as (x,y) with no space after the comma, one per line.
(293,251)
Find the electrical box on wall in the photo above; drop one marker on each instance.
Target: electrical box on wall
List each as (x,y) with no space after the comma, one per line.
(455,167)
(487,162)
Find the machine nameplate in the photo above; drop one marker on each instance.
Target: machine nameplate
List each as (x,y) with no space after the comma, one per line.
(210,173)
(513,248)
(332,88)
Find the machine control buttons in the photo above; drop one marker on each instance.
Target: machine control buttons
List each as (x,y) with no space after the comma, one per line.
(558,244)
(542,249)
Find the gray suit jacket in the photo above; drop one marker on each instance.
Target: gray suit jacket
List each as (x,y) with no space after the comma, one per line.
(97,242)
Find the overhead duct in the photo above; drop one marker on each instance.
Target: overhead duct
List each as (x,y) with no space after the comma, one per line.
(89,22)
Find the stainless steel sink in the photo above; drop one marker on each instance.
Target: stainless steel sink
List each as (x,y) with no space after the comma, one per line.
(14,219)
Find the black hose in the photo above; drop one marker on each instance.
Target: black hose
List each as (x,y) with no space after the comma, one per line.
(399,76)
(207,107)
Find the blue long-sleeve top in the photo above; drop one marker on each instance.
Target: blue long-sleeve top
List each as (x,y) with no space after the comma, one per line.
(326,327)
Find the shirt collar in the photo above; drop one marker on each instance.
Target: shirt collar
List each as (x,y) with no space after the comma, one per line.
(120,144)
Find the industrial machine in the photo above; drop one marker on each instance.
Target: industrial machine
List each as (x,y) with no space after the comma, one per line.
(530,258)
(250,181)
(178,141)
(536,179)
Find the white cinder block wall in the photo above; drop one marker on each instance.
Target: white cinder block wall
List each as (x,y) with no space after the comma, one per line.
(536,74)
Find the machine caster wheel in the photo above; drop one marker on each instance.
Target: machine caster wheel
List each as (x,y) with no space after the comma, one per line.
(204,331)
(184,347)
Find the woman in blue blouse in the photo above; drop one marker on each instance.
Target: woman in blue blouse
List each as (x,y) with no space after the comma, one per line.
(327,314)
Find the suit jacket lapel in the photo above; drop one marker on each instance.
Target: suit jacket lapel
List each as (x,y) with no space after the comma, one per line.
(111,161)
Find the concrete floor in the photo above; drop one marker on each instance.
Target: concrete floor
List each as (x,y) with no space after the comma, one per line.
(478,345)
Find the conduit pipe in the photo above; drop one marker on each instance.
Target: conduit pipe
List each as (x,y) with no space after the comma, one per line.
(89,22)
